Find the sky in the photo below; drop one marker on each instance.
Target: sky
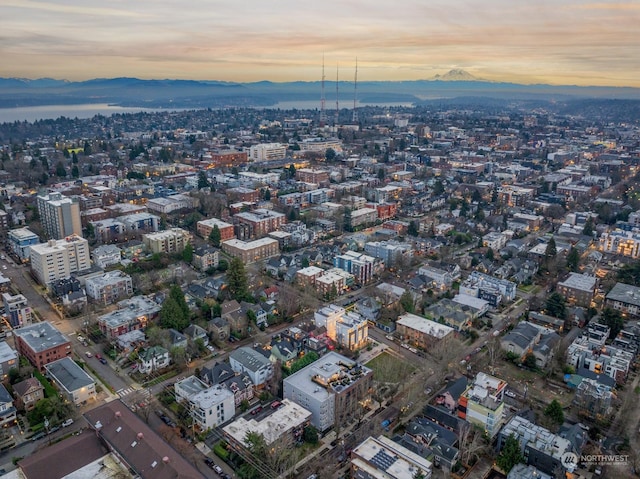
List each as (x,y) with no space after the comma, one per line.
(524,41)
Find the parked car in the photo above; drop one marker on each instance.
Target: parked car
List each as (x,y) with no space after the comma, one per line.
(98,356)
(67,422)
(40,435)
(102,360)
(256,410)
(510,393)
(88,354)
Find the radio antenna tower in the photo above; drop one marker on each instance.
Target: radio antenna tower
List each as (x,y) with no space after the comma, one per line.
(337,103)
(355,95)
(323,113)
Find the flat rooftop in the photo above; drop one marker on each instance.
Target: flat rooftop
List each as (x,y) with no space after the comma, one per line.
(285,418)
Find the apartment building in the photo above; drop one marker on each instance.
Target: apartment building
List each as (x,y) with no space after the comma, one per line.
(18,312)
(227,158)
(362,216)
(59,215)
(268,152)
(106,255)
(57,259)
(169,241)
(205,227)
(358,264)
(625,243)
(20,240)
(169,204)
(109,287)
(482,403)
(578,289)
(349,329)
(624,298)
(335,389)
(133,313)
(489,288)
(251,251)
(391,252)
(281,427)
(539,446)
(422,332)
(41,343)
(257,223)
(382,458)
(141,221)
(313,176)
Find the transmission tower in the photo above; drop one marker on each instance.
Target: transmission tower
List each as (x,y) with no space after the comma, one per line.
(323,113)
(354,119)
(337,101)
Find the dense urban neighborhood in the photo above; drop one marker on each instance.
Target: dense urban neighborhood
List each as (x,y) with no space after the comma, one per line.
(445,290)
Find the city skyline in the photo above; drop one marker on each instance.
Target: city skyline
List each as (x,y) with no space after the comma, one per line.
(559,42)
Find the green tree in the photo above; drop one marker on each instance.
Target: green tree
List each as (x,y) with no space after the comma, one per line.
(75,172)
(489,254)
(407,302)
(588,227)
(556,306)
(330,154)
(172,316)
(87,148)
(74,158)
(530,361)
(61,171)
(554,412)
(612,318)
(292,171)
(267,194)
(176,293)
(215,236)
(413,229)
(438,188)
(573,259)
(203,181)
(237,282)
(381,174)
(187,253)
(310,434)
(630,274)
(551,250)
(510,454)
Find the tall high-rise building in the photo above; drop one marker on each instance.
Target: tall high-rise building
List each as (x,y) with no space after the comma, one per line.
(59,215)
(57,259)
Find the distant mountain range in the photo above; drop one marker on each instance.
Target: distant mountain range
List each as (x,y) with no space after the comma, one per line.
(134,92)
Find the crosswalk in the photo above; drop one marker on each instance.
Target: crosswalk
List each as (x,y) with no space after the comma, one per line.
(124,392)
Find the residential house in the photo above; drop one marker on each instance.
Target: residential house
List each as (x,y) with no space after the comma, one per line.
(255,365)
(195,332)
(75,385)
(482,404)
(219,329)
(7,409)
(153,359)
(238,383)
(8,360)
(28,393)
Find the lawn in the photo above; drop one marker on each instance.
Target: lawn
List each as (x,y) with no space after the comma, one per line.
(389,369)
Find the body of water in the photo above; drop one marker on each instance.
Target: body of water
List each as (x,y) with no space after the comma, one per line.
(51,112)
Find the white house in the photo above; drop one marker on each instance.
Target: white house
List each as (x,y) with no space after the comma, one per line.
(153,359)
(251,362)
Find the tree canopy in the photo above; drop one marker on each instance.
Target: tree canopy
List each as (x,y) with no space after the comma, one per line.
(237,281)
(556,306)
(215,236)
(175,311)
(612,318)
(510,454)
(554,412)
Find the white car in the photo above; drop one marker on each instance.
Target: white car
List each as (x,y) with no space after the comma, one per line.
(510,393)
